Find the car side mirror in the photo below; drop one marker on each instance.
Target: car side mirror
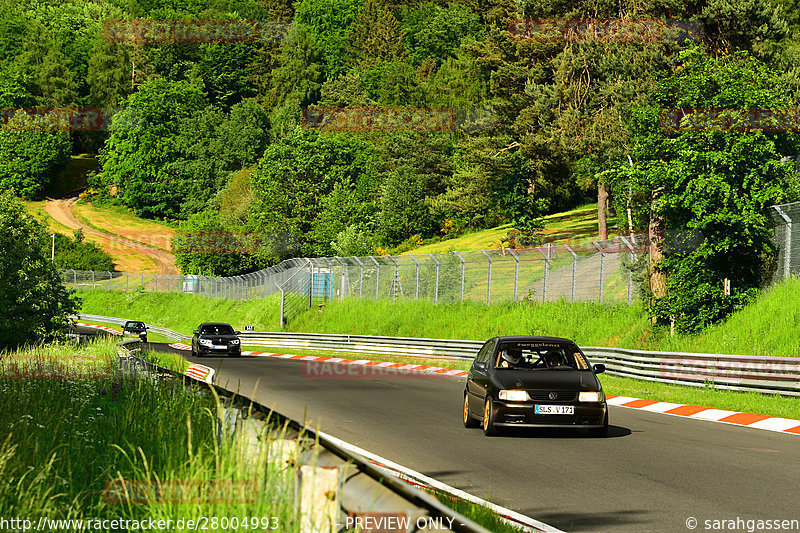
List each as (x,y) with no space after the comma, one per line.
(480,365)
(599,368)
(194,332)
(237,332)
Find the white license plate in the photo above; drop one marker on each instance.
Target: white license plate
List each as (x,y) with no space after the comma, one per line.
(218,347)
(554,409)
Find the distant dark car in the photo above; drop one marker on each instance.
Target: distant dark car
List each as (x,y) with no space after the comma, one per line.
(134,328)
(216,338)
(534,382)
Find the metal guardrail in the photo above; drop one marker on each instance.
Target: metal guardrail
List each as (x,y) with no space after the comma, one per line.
(771,375)
(362,489)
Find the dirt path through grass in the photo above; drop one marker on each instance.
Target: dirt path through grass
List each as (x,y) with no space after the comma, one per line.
(61,211)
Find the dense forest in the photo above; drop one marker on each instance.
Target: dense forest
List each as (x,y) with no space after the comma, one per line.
(540,115)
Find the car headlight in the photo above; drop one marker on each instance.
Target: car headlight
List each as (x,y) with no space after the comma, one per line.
(235,341)
(514,395)
(590,397)
(206,342)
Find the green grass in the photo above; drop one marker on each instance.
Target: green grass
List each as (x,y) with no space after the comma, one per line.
(766,327)
(66,437)
(560,228)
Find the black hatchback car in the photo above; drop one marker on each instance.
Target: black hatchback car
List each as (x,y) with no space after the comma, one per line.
(135,328)
(216,338)
(534,382)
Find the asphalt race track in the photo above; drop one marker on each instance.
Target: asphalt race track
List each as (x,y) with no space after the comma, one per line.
(652,474)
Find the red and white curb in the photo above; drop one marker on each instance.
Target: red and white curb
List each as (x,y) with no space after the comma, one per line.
(95,326)
(420,480)
(180,346)
(366,362)
(200,372)
(736,418)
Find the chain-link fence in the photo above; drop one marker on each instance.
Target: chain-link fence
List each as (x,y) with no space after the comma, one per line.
(591,271)
(787,240)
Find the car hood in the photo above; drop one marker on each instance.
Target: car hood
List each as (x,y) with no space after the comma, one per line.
(548,379)
(218,337)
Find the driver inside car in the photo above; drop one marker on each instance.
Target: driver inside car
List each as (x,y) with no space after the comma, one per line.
(510,358)
(554,358)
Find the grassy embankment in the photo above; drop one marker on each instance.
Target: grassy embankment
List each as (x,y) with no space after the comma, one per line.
(766,327)
(74,423)
(578,224)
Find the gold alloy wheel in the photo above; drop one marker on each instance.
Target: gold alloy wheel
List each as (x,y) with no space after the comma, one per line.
(486,415)
(466,409)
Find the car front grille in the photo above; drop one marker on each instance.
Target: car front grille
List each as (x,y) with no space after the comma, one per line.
(560,396)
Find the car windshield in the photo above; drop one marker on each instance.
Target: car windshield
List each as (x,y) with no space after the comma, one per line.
(221,329)
(535,355)
(134,324)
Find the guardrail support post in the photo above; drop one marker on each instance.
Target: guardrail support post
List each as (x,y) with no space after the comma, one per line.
(602,267)
(516,271)
(436,284)
(377,276)
(462,274)
(360,275)
(319,499)
(630,274)
(416,276)
(488,279)
(574,270)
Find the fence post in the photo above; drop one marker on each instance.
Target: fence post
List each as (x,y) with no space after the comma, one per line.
(488,279)
(92,279)
(574,270)
(110,282)
(396,277)
(436,284)
(546,271)
(127,281)
(462,274)
(630,274)
(345,283)
(311,285)
(377,276)
(360,275)
(330,279)
(416,276)
(74,279)
(142,274)
(787,253)
(282,300)
(516,271)
(602,267)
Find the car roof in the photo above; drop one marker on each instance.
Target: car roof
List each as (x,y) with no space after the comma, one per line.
(214,324)
(535,338)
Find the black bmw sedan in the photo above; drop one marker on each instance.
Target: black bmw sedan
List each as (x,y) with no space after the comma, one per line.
(534,382)
(216,338)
